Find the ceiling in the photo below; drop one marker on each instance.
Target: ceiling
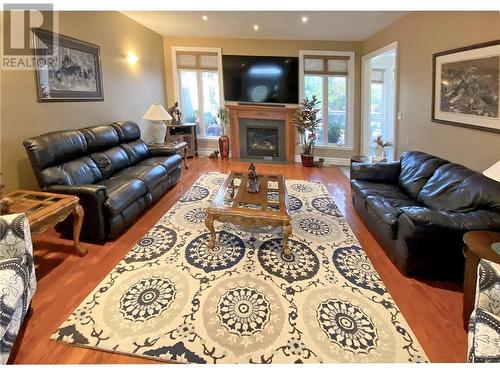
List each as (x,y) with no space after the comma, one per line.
(335,25)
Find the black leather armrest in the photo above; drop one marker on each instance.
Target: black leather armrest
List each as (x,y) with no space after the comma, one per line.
(379,172)
(455,221)
(155,150)
(92,198)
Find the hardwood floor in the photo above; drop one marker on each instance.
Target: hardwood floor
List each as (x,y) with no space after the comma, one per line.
(432,309)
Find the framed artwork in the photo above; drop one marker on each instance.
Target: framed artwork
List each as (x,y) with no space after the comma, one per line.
(71,72)
(466,86)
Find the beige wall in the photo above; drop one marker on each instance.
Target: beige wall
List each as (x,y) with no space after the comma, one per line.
(419,35)
(269,47)
(128,90)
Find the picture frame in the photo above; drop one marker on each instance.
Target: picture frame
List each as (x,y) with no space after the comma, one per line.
(466,86)
(71,70)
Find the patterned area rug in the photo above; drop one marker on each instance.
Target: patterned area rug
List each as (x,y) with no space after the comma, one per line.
(171,298)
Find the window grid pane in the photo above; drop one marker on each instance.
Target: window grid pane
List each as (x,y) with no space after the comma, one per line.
(189,96)
(337,110)
(313,85)
(211,104)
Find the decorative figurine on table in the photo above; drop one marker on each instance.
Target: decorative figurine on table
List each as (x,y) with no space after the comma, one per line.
(252,180)
(176,114)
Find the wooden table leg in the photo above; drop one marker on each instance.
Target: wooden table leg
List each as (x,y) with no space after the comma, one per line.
(185,157)
(77,227)
(209,222)
(470,279)
(287,231)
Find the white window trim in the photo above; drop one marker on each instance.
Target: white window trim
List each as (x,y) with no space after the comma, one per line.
(349,145)
(175,72)
(365,95)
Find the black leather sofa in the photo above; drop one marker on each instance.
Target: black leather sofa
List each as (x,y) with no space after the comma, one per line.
(112,171)
(418,209)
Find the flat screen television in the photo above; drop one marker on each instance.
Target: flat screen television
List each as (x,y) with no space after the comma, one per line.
(261,79)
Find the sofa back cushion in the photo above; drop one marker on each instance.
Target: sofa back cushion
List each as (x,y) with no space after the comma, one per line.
(79,171)
(53,149)
(111,161)
(136,151)
(100,137)
(455,188)
(416,169)
(127,131)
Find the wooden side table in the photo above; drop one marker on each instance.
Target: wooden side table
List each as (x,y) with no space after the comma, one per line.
(44,210)
(180,148)
(477,246)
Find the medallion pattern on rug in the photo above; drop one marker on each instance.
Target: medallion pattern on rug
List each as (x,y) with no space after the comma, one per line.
(173,299)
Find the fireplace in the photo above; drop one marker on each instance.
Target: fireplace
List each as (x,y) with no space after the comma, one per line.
(262,139)
(262,116)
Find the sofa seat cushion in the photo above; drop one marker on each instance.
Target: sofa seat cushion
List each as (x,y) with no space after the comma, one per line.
(122,192)
(151,175)
(170,163)
(367,188)
(416,169)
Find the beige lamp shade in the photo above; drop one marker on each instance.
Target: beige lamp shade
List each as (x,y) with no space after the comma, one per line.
(493,172)
(156,113)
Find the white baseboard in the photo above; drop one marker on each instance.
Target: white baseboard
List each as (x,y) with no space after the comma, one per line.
(208,151)
(329,161)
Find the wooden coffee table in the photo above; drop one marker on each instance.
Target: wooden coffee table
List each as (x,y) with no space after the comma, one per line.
(233,204)
(44,210)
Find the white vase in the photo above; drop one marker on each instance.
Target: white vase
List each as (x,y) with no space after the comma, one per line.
(158,131)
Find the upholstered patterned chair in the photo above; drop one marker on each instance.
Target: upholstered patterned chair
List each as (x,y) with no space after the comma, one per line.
(17,278)
(484,324)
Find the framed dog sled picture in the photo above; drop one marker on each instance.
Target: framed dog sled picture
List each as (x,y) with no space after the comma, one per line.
(67,69)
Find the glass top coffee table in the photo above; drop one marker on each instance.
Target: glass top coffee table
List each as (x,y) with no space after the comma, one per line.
(268,207)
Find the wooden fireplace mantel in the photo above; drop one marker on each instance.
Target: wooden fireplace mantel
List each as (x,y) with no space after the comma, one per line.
(261,112)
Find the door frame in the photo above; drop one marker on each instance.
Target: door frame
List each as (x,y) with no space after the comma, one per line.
(365,95)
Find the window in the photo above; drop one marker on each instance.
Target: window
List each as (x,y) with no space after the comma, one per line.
(329,76)
(377,102)
(198,87)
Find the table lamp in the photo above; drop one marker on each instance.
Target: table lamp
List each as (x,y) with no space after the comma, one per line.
(157,114)
(493,172)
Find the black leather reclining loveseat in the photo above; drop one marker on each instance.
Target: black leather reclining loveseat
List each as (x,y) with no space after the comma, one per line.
(418,209)
(112,171)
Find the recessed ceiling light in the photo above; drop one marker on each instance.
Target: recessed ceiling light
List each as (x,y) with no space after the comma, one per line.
(256,27)
(204,18)
(304,19)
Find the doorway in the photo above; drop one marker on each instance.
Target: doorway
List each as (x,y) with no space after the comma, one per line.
(379,99)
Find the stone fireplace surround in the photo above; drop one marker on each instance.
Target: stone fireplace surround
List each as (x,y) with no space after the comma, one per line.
(262,112)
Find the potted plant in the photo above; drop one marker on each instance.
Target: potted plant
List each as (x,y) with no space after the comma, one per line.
(380,146)
(305,120)
(223,116)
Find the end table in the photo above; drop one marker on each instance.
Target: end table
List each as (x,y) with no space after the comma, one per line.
(477,246)
(178,147)
(44,210)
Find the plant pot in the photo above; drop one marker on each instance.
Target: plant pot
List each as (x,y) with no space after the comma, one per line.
(224,147)
(307,160)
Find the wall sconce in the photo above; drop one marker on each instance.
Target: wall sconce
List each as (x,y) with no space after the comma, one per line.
(131,58)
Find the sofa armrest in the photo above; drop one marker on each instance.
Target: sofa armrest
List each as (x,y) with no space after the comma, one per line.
(378,172)
(159,150)
(454,221)
(92,198)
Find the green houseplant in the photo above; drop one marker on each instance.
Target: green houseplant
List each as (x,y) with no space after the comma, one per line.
(224,118)
(305,119)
